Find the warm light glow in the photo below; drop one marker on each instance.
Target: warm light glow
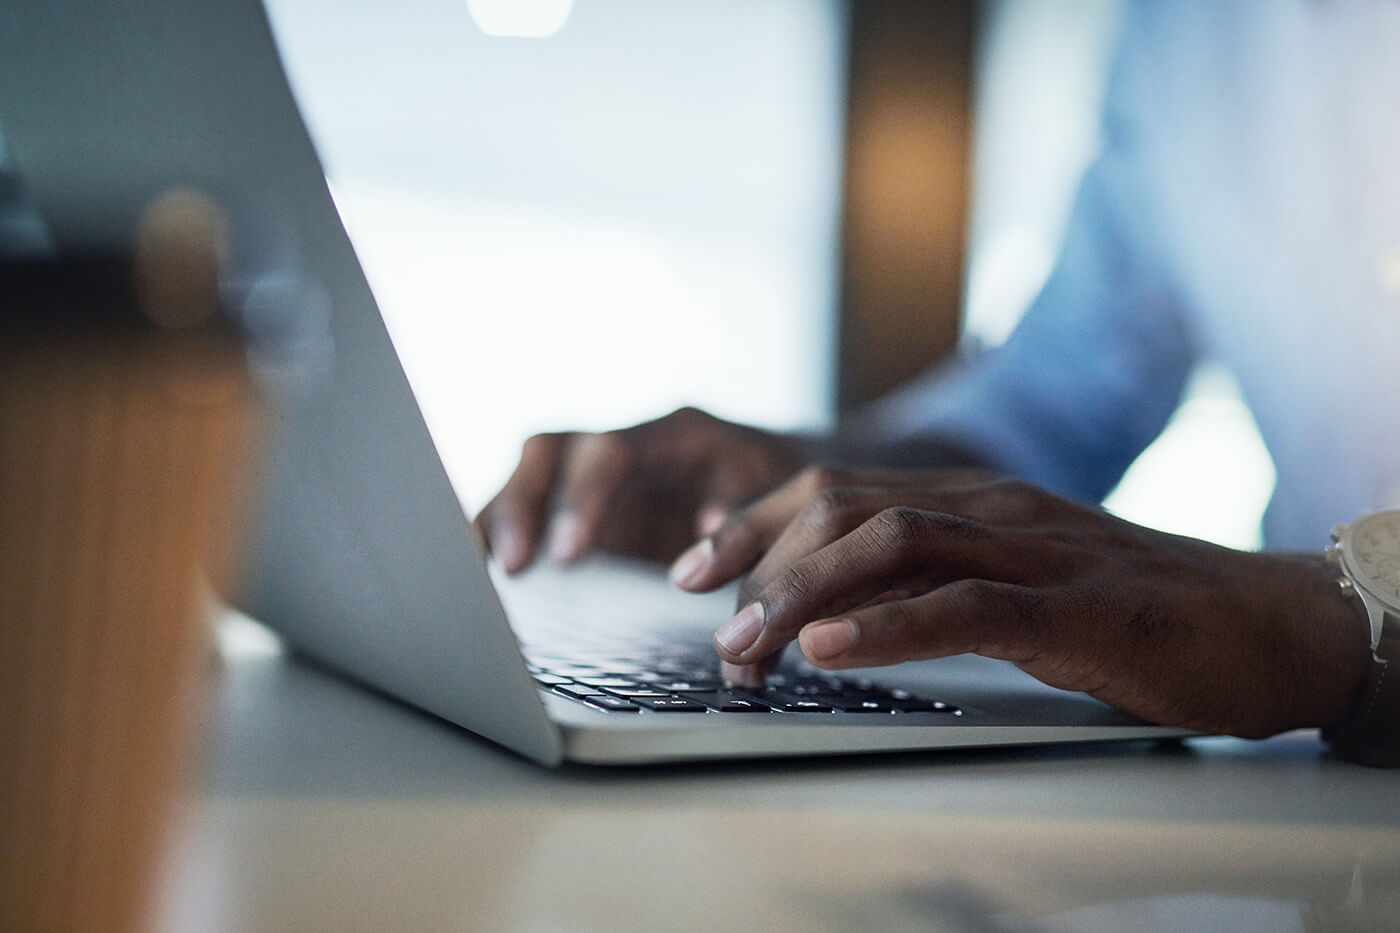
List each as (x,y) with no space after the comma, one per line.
(526,19)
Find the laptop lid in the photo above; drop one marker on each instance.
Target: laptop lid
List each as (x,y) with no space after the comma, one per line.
(361,555)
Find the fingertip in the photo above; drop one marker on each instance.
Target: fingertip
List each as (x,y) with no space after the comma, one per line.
(688,572)
(824,641)
(509,547)
(752,676)
(566,538)
(739,634)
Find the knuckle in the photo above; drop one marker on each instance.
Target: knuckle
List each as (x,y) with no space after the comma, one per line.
(614,447)
(972,598)
(685,431)
(793,585)
(899,615)
(543,443)
(815,478)
(1024,605)
(902,525)
(1010,615)
(687,416)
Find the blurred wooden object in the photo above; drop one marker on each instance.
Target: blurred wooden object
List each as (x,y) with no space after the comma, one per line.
(908,156)
(122,445)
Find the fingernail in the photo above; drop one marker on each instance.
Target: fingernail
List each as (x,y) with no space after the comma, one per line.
(738,634)
(691,565)
(821,641)
(710,518)
(506,544)
(564,537)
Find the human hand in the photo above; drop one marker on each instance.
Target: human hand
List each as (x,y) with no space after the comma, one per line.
(865,569)
(646,491)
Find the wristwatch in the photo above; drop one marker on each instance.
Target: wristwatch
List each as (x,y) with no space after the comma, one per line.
(1367,554)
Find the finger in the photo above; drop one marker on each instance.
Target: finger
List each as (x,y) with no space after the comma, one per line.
(732,484)
(826,495)
(513,522)
(973,615)
(591,474)
(837,511)
(896,547)
(747,535)
(753,676)
(710,516)
(734,547)
(825,518)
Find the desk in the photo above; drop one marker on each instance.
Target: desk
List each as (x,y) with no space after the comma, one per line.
(326,807)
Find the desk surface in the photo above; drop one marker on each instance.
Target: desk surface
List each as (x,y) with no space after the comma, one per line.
(326,807)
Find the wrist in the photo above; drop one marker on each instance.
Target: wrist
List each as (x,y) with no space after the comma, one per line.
(1333,655)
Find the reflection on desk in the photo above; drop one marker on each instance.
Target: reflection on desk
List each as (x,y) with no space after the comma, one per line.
(329,807)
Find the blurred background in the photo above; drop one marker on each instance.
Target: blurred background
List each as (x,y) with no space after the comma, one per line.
(585,213)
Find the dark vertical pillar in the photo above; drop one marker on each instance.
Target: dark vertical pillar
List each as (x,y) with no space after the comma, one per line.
(906,190)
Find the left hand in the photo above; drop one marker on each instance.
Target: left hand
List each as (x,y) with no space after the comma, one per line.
(866,569)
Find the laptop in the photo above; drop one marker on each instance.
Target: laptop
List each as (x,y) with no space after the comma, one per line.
(361,555)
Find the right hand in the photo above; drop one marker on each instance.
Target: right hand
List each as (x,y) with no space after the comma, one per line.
(647,491)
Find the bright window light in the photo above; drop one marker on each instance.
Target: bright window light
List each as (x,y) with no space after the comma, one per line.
(590,231)
(523,19)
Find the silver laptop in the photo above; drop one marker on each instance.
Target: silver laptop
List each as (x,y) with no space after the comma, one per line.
(361,555)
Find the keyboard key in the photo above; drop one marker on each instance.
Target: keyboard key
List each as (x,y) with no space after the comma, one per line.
(689,685)
(866,706)
(661,679)
(612,704)
(640,690)
(855,703)
(726,702)
(578,691)
(669,704)
(606,681)
(805,705)
(786,702)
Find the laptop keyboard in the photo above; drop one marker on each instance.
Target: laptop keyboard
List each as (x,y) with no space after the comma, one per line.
(682,684)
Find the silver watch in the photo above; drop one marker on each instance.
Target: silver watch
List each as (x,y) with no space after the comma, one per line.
(1367,554)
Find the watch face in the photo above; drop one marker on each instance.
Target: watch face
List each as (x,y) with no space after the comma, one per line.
(1374,552)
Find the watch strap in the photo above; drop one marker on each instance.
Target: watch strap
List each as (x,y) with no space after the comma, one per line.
(1371,736)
